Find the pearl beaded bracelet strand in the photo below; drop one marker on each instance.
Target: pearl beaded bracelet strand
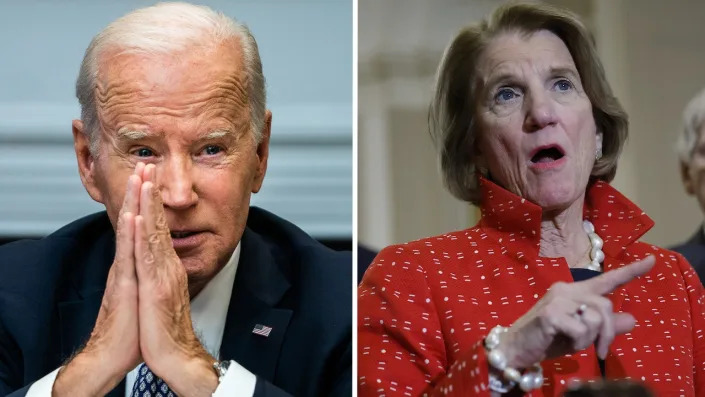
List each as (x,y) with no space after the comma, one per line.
(530,380)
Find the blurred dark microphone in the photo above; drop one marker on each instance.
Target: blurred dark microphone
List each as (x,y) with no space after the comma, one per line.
(608,388)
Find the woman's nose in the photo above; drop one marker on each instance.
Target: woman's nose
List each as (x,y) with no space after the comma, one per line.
(541,112)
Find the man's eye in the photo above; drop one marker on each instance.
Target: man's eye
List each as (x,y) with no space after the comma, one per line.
(144,152)
(212,150)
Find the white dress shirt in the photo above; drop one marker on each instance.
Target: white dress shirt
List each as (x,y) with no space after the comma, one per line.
(208,311)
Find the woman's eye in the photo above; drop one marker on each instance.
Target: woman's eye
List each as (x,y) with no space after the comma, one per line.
(505,95)
(563,85)
(212,150)
(144,152)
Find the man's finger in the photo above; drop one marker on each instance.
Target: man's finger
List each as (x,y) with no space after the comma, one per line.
(149,173)
(124,247)
(609,281)
(139,169)
(130,202)
(143,254)
(155,220)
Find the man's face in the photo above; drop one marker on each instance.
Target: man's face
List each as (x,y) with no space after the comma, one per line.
(188,115)
(693,172)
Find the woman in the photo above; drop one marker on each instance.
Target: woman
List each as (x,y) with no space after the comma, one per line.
(552,285)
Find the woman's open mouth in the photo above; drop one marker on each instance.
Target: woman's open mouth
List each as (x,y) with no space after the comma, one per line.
(549,156)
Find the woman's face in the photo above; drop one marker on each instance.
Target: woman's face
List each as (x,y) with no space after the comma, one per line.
(536,131)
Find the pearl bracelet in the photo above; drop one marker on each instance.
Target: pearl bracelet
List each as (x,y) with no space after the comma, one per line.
(530,380)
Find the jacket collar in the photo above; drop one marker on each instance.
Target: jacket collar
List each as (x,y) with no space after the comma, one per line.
(260,285)
(618,221)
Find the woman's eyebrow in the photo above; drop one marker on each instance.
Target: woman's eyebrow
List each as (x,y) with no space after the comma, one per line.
(563,71)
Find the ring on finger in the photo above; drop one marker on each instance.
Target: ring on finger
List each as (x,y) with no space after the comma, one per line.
(581,310)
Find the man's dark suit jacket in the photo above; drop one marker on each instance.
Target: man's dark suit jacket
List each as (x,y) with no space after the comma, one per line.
(694,251)
(51,290)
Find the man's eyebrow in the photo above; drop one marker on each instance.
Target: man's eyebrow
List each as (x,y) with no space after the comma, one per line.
(125,134)
(216,134)
(131,135)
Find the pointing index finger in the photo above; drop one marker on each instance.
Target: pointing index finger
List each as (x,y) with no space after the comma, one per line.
(609,281)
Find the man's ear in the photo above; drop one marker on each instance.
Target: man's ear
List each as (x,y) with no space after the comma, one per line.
(263,152)
(86,161)
(687,180)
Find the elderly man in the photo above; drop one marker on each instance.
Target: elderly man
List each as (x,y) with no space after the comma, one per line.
(691,150)
(179,287)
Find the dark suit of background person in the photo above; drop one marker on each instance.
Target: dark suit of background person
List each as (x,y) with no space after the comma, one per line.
(690,145)
(365,256)
(694,251)
(51,290)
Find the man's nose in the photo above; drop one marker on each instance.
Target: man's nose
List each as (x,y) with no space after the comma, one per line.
(176,182)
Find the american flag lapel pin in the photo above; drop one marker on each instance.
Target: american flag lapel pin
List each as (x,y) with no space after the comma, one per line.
(262,330)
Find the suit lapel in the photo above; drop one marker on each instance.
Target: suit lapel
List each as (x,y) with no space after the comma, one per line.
(259,286)
(79,308)
(78,312)
(77,319)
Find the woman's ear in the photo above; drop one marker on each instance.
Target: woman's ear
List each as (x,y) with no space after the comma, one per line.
(598,146)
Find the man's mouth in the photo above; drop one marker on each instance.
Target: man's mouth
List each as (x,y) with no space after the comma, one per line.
(183,240)
(547,154)
(182,234)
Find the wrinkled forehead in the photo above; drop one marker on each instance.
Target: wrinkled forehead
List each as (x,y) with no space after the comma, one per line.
(516,53)
(215,73)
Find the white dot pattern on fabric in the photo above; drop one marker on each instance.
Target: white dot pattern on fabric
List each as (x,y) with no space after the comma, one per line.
(443,305)
(148,385)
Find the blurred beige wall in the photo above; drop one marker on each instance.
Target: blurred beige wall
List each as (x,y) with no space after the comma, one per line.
(654,57)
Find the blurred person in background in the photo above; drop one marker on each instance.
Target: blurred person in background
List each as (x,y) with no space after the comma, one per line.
(691,151)
(553,284)
(179,287)
(615,388)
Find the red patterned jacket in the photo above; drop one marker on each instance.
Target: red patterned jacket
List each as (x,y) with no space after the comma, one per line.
(425,306)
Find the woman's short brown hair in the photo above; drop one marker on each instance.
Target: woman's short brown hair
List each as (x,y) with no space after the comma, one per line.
(452,116)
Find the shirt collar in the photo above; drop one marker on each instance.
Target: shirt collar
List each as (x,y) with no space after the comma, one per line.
(618,221)
(210,307)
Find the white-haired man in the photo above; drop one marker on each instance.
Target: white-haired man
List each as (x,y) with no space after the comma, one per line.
(691,151)
(179,287)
